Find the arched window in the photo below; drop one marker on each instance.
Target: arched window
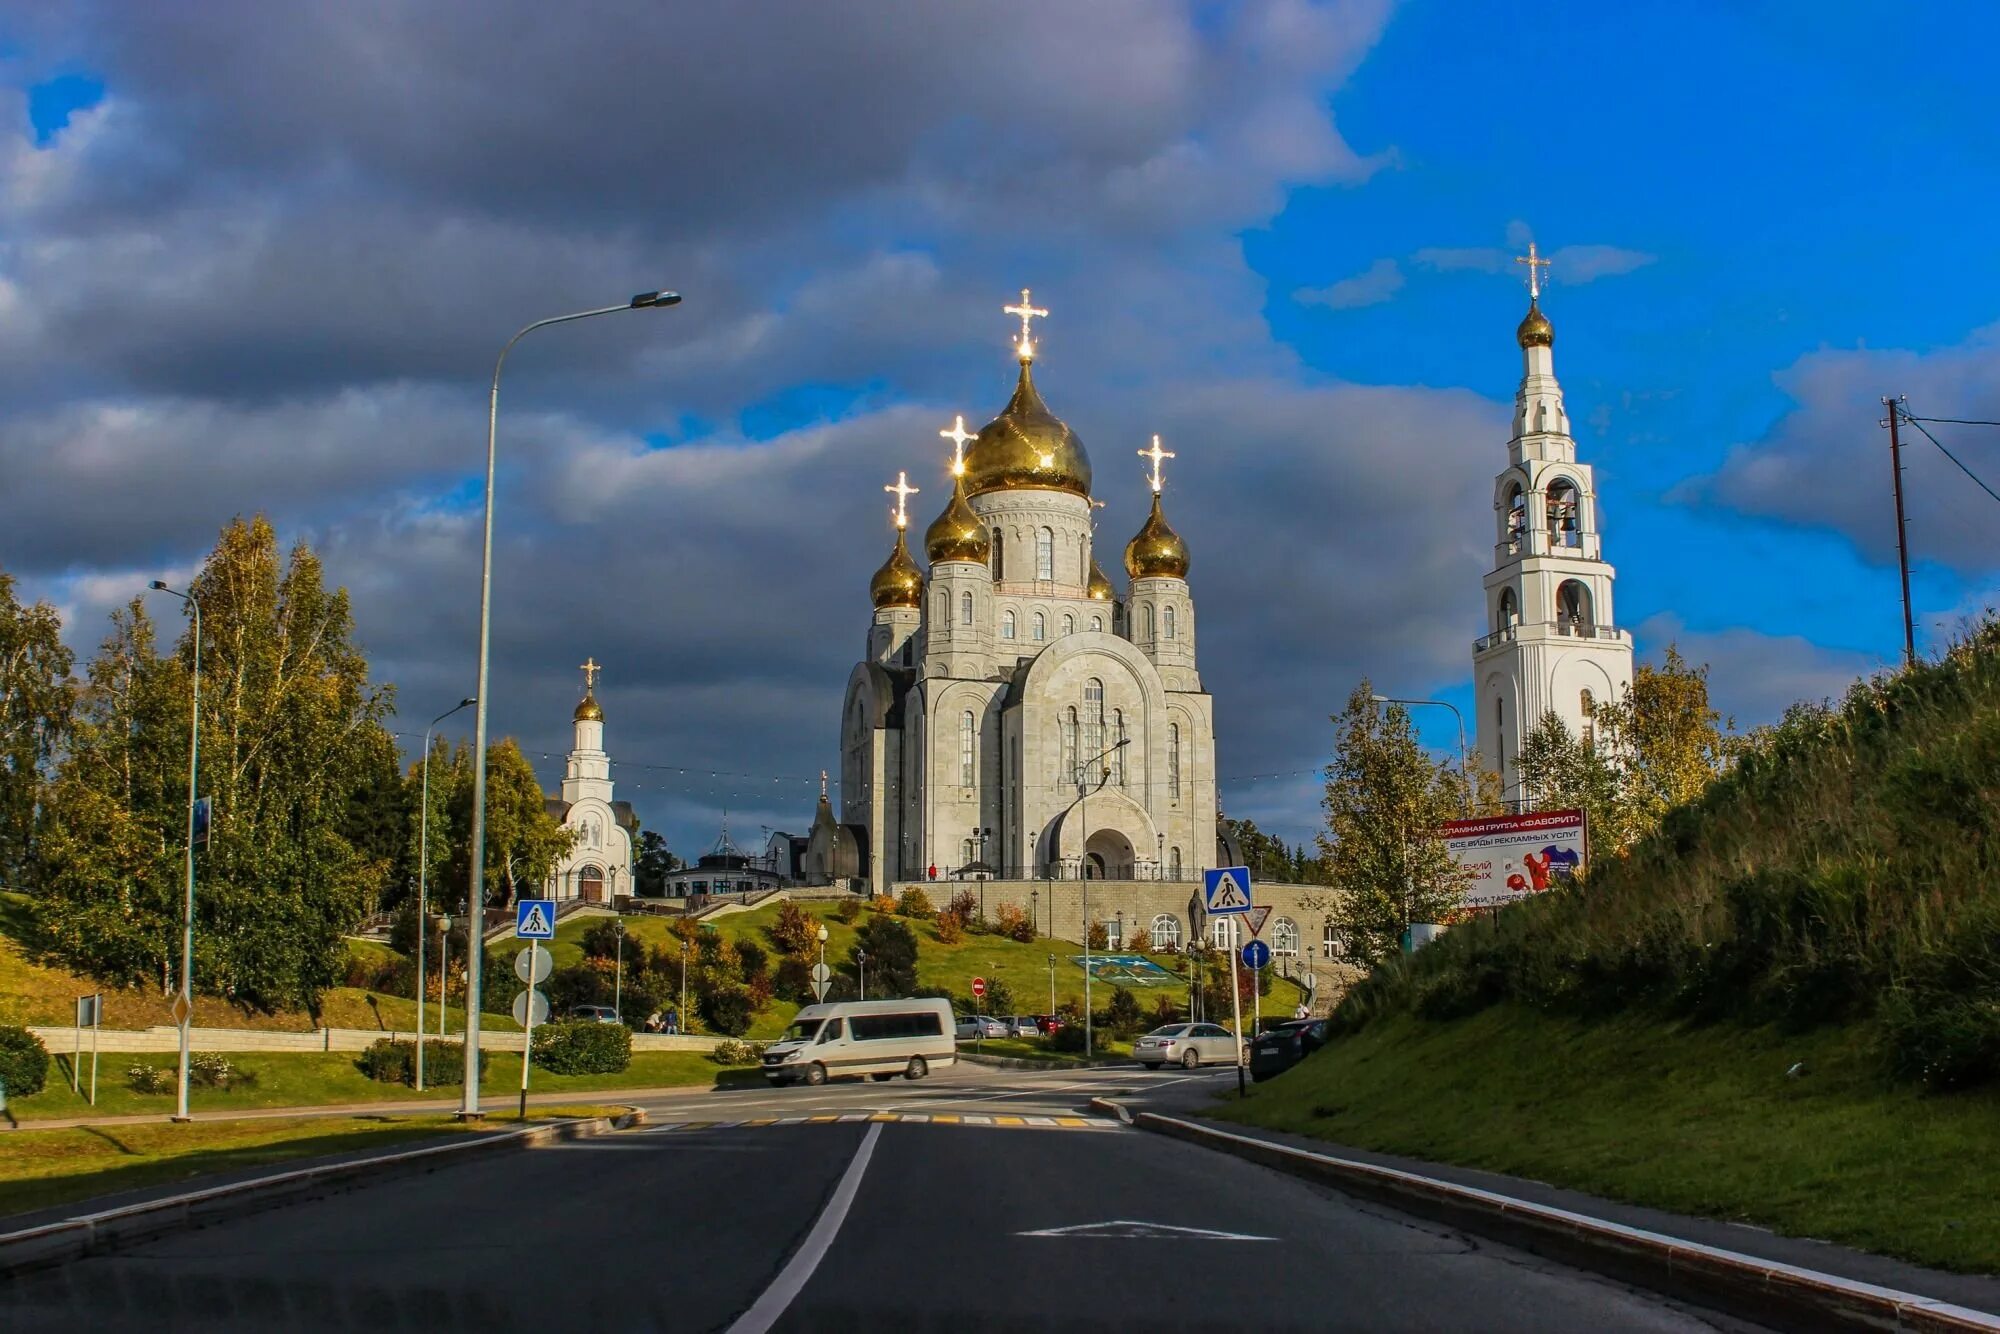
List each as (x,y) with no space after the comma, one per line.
(1515,520)
(1587,702)
(1150,629)
(1118,756)
(1564,515)
(1173,863)
(1070,758)
(1069,625)
(1174,760)
(965,609)
(1166,932)
(943,609)
(1222,931)
(1573,614)
(1096,624)
(968,731)
(999,561)
(1167,620)
(1285,937)
(1093,719)
(1041,627)
(1045,554)
(1510,610)
(1333,941)
(1007,624)
(966,853)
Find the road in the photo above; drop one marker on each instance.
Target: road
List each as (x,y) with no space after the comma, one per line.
(976,1200)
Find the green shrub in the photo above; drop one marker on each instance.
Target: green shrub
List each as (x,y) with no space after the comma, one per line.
(848,911)
(392,1061)
(145,1078)
(1123,1016)
(734,1052)
(915,903)
(727,1010)
(213,1070)
(583,1047)
(24,1062)
(1068,1038)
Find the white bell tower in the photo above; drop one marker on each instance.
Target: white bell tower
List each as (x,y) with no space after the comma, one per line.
(1552,643)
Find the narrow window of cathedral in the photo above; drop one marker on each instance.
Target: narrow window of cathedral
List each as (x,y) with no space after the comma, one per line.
(965,609)
(1041,627)
(967,759)
(1167,616)
(1069,625)
(943,609)
(1093,720)
(1174,870)
(966,853)
(1149,621)
(1007,625)
(998,560)
(1045,554)
(1174,760)
(1070,759)
(1096,624)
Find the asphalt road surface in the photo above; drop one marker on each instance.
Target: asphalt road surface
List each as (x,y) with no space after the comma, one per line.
(976,1200)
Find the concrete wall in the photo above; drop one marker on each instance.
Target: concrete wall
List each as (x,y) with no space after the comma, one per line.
(166,1038)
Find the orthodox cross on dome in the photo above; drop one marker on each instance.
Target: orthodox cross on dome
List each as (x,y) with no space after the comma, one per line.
(902,491)
(822,785)
(1534,262)
(959,438)
(1156,454)
(590,669)
(1027,311)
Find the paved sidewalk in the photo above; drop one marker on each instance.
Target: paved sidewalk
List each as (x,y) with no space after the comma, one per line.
(492,1103)
(1198,1101)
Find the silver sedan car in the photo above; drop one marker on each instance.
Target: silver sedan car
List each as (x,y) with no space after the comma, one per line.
(1189,1045)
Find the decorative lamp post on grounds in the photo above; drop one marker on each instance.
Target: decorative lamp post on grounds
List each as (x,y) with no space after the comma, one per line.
(861,965)
(476,886)
(618,975)
(185,1004)
(423,879)
(822,957)
(444,976)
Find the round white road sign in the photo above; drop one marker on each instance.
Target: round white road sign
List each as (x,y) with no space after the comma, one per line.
(521,1003)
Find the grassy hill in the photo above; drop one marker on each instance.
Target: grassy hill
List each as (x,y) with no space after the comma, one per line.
(1782,1007)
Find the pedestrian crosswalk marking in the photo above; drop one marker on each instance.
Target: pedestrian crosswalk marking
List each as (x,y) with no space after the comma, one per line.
(972,1119)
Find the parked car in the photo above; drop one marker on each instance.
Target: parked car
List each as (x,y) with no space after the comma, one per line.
(1190,1045)
(602,1014)
(1285,1045)
(1048,1023)
(980,1026)
(1023,1026)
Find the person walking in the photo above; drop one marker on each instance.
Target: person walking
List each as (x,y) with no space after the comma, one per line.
(673,1020)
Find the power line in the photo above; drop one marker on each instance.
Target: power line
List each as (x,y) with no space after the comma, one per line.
(1918,422)
(1951,421)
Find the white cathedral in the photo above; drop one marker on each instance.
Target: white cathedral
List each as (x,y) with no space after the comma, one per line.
(1013,716)
(598,865)
(1552,645)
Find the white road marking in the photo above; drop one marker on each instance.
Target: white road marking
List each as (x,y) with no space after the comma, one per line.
(798,1271)
(1125,1228)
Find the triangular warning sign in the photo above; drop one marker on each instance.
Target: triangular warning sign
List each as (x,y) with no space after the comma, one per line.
(1229,895)
(1255,919)
(533,923)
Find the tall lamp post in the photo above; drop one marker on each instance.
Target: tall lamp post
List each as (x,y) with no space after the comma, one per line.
(618,977)
(1464,763)
(476,889)
(861,965)
(187,915)
(444,975)
(822,960)
(423,877)
(1083,791)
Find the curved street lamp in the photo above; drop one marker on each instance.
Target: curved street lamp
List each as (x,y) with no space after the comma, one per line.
(186,1005)
(423,876)
(476,888)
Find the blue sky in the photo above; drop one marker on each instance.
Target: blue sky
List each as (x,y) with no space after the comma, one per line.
(1279,233)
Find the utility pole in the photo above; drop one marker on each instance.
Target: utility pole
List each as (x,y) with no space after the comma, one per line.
(1895,406)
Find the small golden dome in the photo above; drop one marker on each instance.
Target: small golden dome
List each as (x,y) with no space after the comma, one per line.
(899,583)
(588,710)
(1157,552)
(1535,330)
(1026,447)
(1100,583)
(958,533)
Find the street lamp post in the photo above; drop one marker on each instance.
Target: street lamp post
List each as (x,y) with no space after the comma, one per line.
(476,889)
(822,962)
(1083,791)
(1052,986)
(423,877)
(187,913)
(861,964)
(1464,763)
(618,975)
(683,1026)
(444,977)
(1035,909)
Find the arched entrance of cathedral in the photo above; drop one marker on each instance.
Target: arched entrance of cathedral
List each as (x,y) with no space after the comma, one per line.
(1109,856)
(590,884)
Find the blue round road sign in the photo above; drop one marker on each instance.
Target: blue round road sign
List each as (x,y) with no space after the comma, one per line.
(1256,954)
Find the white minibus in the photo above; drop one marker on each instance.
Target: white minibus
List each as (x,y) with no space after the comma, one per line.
(878,1038)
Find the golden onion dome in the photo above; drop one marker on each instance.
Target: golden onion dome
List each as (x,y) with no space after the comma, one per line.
(958,533)
(588,710)
(1026,447)
(1157,552)
(1100,583)
(899,583)
(1535,330)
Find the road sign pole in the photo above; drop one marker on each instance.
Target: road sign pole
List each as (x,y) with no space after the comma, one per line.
(1236,1006)
(96,1023)
(528,1028)
(76,1055)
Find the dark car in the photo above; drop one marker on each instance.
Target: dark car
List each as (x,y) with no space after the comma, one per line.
(1285,1045)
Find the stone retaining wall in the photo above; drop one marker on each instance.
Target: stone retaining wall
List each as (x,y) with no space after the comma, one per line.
(166,1038)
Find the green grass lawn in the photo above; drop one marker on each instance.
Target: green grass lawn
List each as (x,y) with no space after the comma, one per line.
(1699,1120)
(307,1079)
(50,1167)
(1024,968)
(1036,1049)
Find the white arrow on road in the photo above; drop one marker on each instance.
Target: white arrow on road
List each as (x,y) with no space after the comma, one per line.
(1127,1228)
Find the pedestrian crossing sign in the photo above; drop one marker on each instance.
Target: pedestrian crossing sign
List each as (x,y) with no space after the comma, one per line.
(1228,889)
(535,919)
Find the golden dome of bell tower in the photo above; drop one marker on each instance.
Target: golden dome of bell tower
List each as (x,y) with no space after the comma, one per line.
(1026,447)
(899,583)
(1156,550)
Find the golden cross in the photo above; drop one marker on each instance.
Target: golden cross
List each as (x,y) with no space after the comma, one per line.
(1027,311)
(902,490)
(822,785)
(590,669)
(1534,262)
(1156,454)
(959,437)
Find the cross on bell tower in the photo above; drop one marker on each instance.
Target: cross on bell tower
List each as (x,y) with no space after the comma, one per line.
(1157,455)
(960,438)
(1027,310)
(590,669)
(1535,264)
(902,491)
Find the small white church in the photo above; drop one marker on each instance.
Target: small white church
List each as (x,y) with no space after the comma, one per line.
(598,866)
(1552,644)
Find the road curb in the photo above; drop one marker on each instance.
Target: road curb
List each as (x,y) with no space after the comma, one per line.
(1786,1296)
(1028,1063)
(96,1233)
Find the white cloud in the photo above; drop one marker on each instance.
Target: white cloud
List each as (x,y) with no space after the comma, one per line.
(1372,286)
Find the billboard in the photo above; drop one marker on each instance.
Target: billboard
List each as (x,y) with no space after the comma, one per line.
(1509,857)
